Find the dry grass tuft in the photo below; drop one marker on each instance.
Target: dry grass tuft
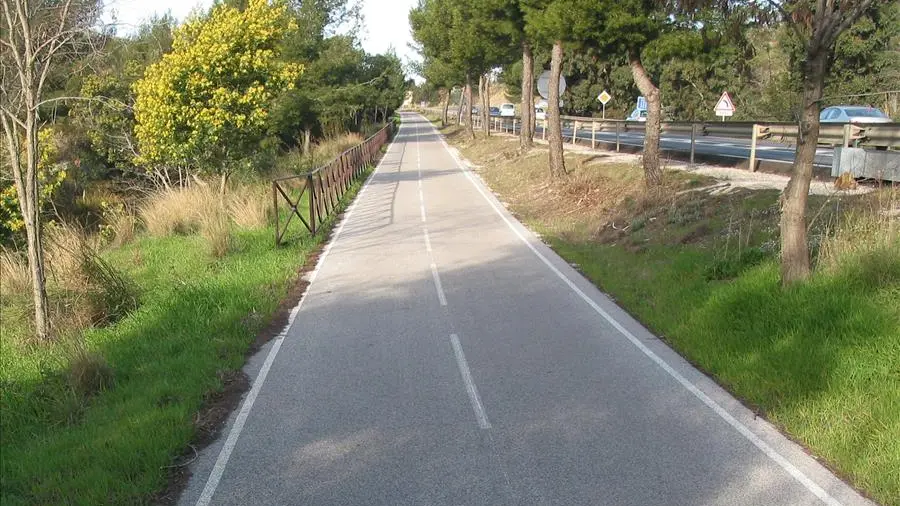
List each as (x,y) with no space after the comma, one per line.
(250,207)
(87,372)
(215,228)
(178,211)
(868,234)
(15,279)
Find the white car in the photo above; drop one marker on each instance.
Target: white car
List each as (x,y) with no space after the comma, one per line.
(540,113)
(637,115)
(507,110)
(853,114)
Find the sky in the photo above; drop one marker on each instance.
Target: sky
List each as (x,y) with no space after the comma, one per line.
(386,21)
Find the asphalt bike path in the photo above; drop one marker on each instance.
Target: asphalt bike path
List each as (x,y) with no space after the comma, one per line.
(443,355)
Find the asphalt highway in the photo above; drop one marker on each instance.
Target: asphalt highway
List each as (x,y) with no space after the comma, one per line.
(443,355)
(736,149)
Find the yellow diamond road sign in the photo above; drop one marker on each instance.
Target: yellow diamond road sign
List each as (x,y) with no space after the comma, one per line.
(604,97)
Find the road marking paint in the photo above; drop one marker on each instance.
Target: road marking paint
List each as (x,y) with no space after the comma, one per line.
(437,284)
(422,210)
(472,390)
(215,475)
(773,454)
(427,240)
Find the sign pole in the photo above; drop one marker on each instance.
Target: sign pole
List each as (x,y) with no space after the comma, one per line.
(604,111)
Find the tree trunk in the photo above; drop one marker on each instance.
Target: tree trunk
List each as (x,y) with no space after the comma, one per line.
(557,160)
(223,185)
(31,208)
(467,113)
(306,134)
(485,105)
(444,117)
(462,103)
(526,135)
(794,248)
(652,172)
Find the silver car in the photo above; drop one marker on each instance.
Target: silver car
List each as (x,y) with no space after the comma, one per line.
(853,114)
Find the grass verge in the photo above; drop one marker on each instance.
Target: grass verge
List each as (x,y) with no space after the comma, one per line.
(146,376)
(820,360)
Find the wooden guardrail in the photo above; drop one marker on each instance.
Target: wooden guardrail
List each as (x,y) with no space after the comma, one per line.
(324,187)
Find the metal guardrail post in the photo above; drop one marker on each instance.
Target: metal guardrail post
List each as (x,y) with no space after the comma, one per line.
(514,126)
(593,134)
(753,136)
(618,128)
(574,132)
(693,141)
(847,135)
(544,131)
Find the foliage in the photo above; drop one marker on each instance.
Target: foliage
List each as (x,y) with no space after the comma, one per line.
(51,174)
(205,105)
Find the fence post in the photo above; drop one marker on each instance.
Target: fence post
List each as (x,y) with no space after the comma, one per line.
(753,135)
(311,186)
(618,127)
(514,126)
(275,205)
(847,129)
(544,131)
(574,131)
(693,141)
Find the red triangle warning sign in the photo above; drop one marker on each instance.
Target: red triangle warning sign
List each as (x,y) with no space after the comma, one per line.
(725,106)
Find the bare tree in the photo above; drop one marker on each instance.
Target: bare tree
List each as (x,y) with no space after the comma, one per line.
(818,25)
(35,36)
(485,91)
(557,160)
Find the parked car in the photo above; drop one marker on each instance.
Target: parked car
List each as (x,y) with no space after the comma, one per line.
(540,113)
(637,115)
(853,114)
(494,111)
(475,110)
(507,110)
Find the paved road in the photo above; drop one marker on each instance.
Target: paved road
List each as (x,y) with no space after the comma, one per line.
(738,149)
(444,356)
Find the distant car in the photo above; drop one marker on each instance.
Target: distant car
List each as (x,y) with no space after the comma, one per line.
(853,114)
(508,110)
(637,115)
(540,113)
(494,111)
(475,110)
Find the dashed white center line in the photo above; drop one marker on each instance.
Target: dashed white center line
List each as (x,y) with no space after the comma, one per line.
(437,284)
(480,414)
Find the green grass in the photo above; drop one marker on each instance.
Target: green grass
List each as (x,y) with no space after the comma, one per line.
(821,360)
(197,319)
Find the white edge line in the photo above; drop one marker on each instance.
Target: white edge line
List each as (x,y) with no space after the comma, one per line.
(427,240)
(437,284)
(471,389)
(699,394)
(225,453)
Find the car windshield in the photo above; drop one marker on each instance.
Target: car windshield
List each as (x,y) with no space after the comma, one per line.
(865,112)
